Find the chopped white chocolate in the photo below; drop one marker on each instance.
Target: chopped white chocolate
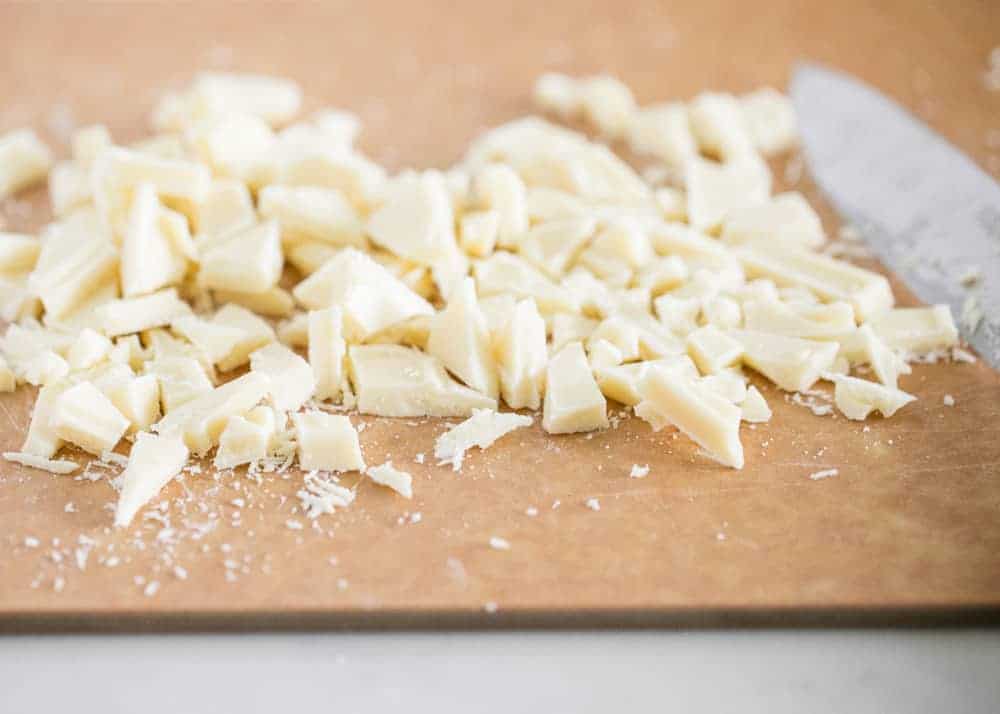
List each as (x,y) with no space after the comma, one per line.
(55,466)
(276,302)
(754,408)
(148,258)
(273,99)
(46,367)
(416,220)
(88,142)
(558,94)
(717,191)
(327,351)
(663,131)
(227,207)
(728,384)
(312,213)
(79,264)
(770,119)
(386,475)
(327,442)
(553,245)
(24,159)
(521,355)
(792,363)
(499,187)
(478,231)
(719,127)
(866,347)
(245,439)
(482,429)
(122,169)
(396,381)
(129,315)
(832,321)
(708,419)
(291,378)
(371,298)
(239,146)
(602,354)
(42,439)
(82,415)
(249,260)
(713,350)
(573,401)
(460,339)
(214,342)
(506,273)
(137,398)
(549,204)
(785,219)
(568,327)
(152,463)
(662,274)
(621,382)
(18,252)
(69,187)
(857,398)
(181,379)
(916,329)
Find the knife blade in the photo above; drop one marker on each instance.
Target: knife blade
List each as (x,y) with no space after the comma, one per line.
(924,208)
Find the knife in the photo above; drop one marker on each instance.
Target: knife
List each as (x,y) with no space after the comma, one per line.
(924,208)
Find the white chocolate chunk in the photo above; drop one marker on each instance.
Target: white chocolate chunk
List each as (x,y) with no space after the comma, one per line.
(69,187)
(549,204)
(601,354)
(519,346)
(916,329)
(181,380)
(371,298)
(478,231)
(24,161)
(129,315)
(74,271)
(46,367)
(148,258)
(866,347)
(792,363)
(56,466)
(558,94)
(292,382)
(482,429)
(82,415)
(137,398)
(18,252)
(717,191)
(663,131)
(868,292)
(273,99)
(754,408)
(120,169)
(672,203)
(711,421)
(248,261)
(554,245)
(621,382)
(312,213)
(227,207)
(506,273)
(719,127)
(214,342)
(608,104)
(833,321)
(396,381)
(255,334)
(89,348)
(573,401)
(235,145)
(361,180)
(662,274)
(327,442)
(722,312)
(294,332)
(857,398)
(713,350)
(42,439)
(416,220)
(88,142)
(245,439)
(327,351)
(386,475)
(499,187)
(728,384)
(276,302)
(770,119)
(460,339)
(785,219)
(568,327)
(202,419)
(152,463)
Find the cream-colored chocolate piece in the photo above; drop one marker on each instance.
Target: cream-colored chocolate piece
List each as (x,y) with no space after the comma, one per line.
(371,298)
(553,246)
(770,120)
(256,333)
(672,203)
(601,353)
(916,329)
(507,273)
(24,161)
(292,382)
(717,191)
(663,131)
(521,355)
(833,321)
(792,363)
(152,463)
(460,339)
(868,292)
(202,419)
(215,342)
(249,260)
(558,94)
(786,219)
(123,169)
(89,349)
(227,207)
(478,231)
(416,220)
(69,188)
(239,146)
(718,125)
(396,381)
(857,398)
(678,314)
(569,327)
(754,408)
(55,466)
(713,350)
(246,438)
(181,380)
(327,442)
(865,347)
(727,383)
(327,351)
(71,266)
(129,315)
(312,213)
(662,274)
(82,415)
(498,186)
(42,439)
(621,382)
(387,475)
(87,143)
(545,204)
(481,430)
(18,252)
(137,398)
(276,302)
(294,332)
(573,401)
(273,99)
(46,367)
(710,420)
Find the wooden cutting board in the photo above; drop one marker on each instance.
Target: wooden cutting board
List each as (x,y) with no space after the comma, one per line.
(910,525)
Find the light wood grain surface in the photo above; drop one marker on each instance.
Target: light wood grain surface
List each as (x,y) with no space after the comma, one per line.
(912,521)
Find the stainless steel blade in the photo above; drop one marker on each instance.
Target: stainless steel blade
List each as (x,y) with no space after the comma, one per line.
(925,209)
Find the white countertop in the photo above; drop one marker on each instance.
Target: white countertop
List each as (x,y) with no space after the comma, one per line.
(806,672)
